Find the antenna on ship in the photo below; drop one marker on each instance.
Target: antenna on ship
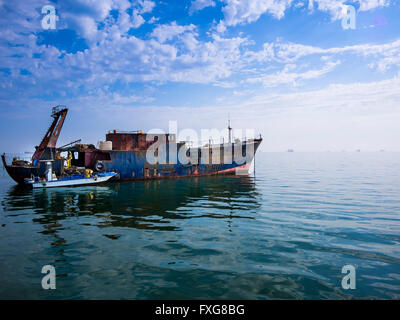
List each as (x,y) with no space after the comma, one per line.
(229,128)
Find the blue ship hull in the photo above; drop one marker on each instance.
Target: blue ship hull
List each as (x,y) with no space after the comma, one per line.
(132,165)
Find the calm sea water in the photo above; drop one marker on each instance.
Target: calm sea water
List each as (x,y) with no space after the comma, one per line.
(283,233)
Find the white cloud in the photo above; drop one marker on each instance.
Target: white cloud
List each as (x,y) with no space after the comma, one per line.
(167,32)
(385,55)
(137,20)
(237,12)
(334,7)
(143,6)
(221,28)
(114,55)
(119,99)
(174,53)
(146,6)
(286,76)
(153,20)
(86,25)
(198,5)
(85,15)
(337,117)
(366,5)
(247,11)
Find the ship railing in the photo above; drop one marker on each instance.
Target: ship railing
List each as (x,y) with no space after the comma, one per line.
(212,142)
(9,157)
(125,131)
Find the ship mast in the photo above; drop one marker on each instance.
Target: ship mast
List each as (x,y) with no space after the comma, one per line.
(229,129)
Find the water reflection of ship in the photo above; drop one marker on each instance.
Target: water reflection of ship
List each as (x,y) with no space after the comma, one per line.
(157,205)
(151,205)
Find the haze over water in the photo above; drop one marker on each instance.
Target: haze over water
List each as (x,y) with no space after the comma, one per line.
(283,233)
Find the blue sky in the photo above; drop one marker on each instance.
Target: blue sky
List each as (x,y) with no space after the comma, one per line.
(286,69)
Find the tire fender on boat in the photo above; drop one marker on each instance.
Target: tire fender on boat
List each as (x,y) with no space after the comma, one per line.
(99,166)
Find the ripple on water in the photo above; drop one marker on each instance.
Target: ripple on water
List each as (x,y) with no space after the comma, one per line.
(284,233)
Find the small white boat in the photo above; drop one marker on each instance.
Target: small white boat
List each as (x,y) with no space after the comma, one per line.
(51,181)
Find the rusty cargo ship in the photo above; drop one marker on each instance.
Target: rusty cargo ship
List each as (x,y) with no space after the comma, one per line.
(127,153)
